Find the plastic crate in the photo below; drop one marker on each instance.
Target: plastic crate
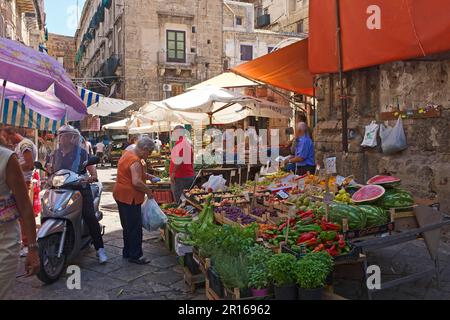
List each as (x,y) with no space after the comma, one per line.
(163,196)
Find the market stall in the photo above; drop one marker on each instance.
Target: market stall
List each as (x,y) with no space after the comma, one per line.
(288,220)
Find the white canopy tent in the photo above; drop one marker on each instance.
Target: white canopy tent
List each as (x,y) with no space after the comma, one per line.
(156,127)
(107,106)
(226,80)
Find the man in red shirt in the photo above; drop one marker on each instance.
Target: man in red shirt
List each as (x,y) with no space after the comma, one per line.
(181,169)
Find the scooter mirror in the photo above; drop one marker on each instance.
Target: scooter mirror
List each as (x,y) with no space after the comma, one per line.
(39,166)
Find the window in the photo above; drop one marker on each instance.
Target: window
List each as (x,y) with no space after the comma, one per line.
(239,21)
(269,49)
(176,46)
(266,10)
(246,52)
(300,28)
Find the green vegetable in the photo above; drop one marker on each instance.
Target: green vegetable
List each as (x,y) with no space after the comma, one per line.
(376,216)
(281,268)
(308,228)
(312,270)
(395,198)
(357,218)
(328,235)
(259,276)
(232,270)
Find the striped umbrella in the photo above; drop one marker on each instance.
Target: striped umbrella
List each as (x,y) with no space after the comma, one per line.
(16,114)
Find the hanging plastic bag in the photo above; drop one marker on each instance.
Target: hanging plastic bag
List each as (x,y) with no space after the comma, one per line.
(153,218)
(370,135)
(215,183)
(393,139)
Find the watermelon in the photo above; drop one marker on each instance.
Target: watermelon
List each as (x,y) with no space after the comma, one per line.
(386,181)
(376,216)
(356,217)
(368,193)
(396,198)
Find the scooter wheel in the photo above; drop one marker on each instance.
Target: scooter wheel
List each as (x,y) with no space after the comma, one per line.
(51,266)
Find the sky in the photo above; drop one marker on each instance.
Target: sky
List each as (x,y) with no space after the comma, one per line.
(62,16)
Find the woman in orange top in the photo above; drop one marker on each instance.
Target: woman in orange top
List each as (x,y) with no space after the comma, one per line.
(129,193)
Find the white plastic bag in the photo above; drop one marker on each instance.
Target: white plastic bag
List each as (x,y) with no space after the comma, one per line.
(152,216)
(393,139)
(370,136)
(215,183)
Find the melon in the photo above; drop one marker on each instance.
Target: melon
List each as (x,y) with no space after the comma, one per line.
(376,216)
(356,217)
(388,181)
(368,193)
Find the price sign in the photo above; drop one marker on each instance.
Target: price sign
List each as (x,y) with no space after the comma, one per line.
(328,198)
(282,194)
(301,184)
(340,180)
(330,165)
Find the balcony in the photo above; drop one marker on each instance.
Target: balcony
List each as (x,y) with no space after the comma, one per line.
(189,62)
(263,21)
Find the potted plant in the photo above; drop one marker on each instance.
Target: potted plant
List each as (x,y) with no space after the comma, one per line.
(281,269)
(233,272)
(311,273)
(259,276)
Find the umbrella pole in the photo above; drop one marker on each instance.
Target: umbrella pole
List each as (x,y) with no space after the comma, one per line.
(3,99)
(343,99)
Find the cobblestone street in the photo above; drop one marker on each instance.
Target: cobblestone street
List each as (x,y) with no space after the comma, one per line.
(163,277)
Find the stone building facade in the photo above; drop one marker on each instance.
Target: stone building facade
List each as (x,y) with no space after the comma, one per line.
(242,40)
(150,50)
(283,15)
(62,48)
(23,21)
(424,166)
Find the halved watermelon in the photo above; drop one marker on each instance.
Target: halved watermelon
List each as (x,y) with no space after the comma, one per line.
(368,194)
(380,180)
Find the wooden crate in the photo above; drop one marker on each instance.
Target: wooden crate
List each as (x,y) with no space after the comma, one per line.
(193,281)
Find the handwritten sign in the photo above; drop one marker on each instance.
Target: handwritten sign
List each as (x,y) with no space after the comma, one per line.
(330,165)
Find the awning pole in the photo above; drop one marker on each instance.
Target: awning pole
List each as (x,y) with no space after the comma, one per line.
(343,99)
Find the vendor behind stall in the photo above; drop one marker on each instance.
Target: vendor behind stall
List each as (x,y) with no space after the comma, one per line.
(302,159)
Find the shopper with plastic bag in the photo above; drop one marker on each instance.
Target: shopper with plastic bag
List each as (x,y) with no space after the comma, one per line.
(129,192)
(393,139)
(153,217)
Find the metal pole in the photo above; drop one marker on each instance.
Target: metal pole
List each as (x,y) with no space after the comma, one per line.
(3,99)
(342,99)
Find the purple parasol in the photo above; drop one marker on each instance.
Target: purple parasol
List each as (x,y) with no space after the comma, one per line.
(35,70)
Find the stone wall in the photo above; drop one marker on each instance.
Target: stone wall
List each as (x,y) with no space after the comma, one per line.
(63,46)
(425,166)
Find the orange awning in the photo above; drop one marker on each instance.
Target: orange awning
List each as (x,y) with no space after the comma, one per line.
(286,68)
(376,32)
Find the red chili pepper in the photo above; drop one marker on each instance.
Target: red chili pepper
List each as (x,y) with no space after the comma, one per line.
(311,242)
(280,228)
(319,248)
(332,251)
(306,236)
(342,243)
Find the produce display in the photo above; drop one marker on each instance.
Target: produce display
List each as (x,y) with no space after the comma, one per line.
(368,194)
(396,198)
(385,181)
(279,239)
(234,214)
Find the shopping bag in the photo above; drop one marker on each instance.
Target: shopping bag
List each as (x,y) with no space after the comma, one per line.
(153,218)
(370,135)
(215,183)
(393,139)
